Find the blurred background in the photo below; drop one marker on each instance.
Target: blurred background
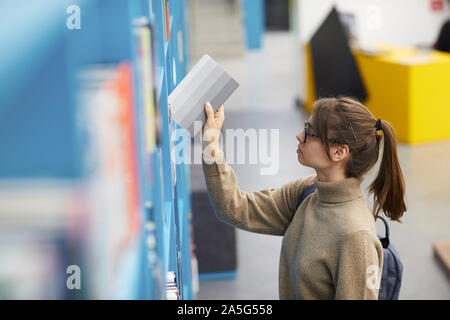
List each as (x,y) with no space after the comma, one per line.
(92,205)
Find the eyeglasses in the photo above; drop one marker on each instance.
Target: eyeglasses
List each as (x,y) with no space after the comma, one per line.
(309,133)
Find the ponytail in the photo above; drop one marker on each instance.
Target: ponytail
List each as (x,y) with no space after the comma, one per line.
(388,187)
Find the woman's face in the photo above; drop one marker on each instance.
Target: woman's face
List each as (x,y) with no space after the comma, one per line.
(312,153)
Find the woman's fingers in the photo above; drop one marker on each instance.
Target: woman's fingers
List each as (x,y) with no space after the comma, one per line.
(220,117)
(220,112)
(214,119)
(209,112)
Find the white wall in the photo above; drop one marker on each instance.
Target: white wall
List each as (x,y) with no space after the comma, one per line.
(402,22)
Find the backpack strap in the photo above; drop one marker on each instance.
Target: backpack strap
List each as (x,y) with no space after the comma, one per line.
(385,240)
(305,194)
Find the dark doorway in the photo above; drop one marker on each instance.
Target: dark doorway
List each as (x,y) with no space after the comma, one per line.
(277,15)
(335,69)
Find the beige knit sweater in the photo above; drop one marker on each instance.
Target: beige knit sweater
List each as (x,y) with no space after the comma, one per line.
(330,249)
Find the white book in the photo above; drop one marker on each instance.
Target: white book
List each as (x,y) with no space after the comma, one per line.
(207,81)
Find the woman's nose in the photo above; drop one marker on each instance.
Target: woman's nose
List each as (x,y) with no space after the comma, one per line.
(301,136)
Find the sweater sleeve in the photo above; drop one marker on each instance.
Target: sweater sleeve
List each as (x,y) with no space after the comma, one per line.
(360,264)
(268,211)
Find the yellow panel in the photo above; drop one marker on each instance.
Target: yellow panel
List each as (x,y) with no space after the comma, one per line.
(410,90)
(387,88)
(310,89)
(430,101)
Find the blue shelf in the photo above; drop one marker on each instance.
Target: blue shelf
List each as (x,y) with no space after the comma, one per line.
(176,251)
(218,275)
(47,63)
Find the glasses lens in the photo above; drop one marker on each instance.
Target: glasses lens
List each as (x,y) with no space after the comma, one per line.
(305,132)
(307,129)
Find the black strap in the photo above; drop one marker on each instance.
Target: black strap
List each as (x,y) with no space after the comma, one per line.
(385,240)
(306,193)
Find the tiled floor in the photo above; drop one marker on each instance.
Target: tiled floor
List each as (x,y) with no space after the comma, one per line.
(265,100)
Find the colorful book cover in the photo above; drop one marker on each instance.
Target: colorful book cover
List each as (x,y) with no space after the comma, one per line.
(106,172)
(145,69)
(166,20)
(125,90)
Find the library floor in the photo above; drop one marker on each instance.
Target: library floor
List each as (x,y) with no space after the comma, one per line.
(265,100)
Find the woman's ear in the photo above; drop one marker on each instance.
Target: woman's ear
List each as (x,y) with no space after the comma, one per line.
(340,152)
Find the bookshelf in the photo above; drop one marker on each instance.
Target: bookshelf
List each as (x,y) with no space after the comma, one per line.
(47,144)
(167,200)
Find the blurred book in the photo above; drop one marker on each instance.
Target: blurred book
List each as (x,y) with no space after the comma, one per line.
(143,38)
(166,20)
(146,99)
(111,188)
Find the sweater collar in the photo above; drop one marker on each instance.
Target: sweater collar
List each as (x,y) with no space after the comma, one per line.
(339,191)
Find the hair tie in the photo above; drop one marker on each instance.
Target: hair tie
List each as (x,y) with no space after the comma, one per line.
(378,125)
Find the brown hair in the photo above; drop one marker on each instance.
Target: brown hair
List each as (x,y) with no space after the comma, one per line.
(350,122)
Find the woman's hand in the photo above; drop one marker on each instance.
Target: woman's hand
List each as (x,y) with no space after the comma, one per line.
(211,129)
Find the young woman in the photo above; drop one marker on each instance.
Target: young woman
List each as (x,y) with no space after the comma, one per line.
(330,249)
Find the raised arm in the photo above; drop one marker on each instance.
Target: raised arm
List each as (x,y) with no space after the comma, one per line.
(268,211)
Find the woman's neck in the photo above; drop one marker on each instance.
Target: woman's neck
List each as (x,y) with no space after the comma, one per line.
(327,175)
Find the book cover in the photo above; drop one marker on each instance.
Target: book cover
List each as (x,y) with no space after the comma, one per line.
(207,81)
